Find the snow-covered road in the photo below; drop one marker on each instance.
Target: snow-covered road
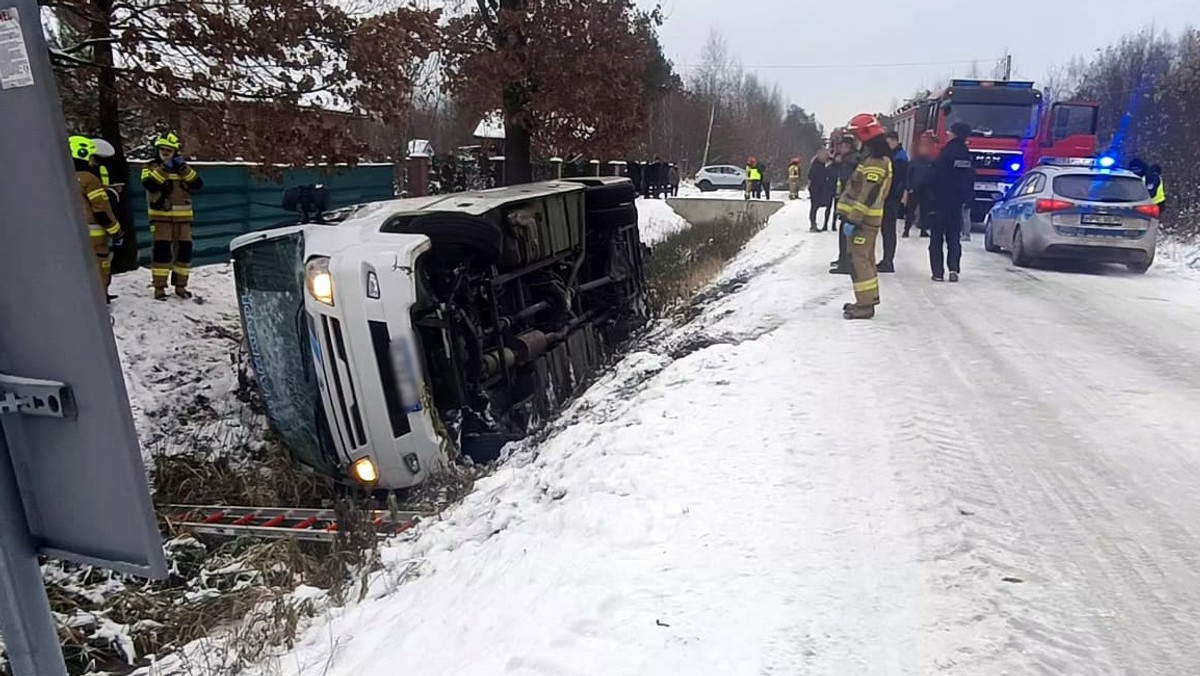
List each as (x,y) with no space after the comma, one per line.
(993,477)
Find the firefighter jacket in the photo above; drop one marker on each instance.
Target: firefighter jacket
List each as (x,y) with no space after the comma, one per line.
(753,174)
(862,199)
(793,172)
(169,191)
(100,219)
(846,164)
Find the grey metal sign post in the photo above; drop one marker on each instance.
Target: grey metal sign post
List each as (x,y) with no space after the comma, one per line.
(72,483)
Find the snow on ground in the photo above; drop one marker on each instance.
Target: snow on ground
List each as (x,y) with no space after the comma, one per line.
(178,361)
(657,221)
(994,477)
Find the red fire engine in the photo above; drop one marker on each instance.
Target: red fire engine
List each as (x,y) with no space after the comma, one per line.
(1012,129)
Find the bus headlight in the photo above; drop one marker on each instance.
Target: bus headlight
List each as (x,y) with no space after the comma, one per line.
(319,279)
(364,471)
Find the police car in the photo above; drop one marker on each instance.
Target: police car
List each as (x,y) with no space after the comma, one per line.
(1076,208)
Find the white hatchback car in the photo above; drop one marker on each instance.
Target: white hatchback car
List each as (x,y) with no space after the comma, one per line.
(721,177)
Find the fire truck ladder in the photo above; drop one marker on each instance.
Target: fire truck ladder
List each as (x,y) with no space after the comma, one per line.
(279,522)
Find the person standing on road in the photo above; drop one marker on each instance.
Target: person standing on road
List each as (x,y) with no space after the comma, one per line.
(765,181)
(861,207)
(673,179)
(1154,184)
(794,179)
(169,182)
(916,200)
(893,204)
(822,184)
(847,164)
(953,190)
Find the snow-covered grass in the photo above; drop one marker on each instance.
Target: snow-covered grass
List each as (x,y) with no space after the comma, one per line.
(179,361)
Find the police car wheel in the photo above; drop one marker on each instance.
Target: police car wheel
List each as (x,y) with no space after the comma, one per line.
(1139,268)
(1020,257)
(989,243)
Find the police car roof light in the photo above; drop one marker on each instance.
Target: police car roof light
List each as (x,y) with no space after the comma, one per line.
(1011,84)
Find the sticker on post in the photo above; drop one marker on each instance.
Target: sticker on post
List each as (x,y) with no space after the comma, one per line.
(15,70)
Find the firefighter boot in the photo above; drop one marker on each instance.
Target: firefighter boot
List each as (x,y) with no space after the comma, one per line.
(182,292)
(859,311)
(160,293)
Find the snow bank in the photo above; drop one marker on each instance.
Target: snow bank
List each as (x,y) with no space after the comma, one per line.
(658,221)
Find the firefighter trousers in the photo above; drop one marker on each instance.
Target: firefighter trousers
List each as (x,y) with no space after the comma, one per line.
(861,245)
(103,259)
(172,253)
(793,188)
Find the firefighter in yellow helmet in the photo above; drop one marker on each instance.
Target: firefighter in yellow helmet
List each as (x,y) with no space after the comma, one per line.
(169,182)
(861,210)
(102,225)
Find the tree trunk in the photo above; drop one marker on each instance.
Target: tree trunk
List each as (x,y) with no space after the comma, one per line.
(108,112)
(518,162)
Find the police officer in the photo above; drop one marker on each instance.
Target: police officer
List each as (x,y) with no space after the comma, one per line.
(102,225)
(953,189)
(861,208)
(169,182)
(1154,184)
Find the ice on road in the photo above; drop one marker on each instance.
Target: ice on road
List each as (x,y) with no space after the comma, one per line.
(993,477)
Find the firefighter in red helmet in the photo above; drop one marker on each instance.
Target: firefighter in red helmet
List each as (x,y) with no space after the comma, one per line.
(861,209)
(794,179)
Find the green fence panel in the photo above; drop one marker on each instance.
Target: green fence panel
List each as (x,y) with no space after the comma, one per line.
(237,199)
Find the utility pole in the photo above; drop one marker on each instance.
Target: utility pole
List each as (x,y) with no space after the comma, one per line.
(708,139)
(1007,67)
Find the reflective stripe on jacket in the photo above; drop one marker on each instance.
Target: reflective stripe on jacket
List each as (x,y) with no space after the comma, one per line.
(168,193)
(861,202)
(96,206)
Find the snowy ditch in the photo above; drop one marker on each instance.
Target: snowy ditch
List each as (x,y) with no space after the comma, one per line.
(204,436)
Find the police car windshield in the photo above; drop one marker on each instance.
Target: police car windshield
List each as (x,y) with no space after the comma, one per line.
(1001,120)
(1100,188)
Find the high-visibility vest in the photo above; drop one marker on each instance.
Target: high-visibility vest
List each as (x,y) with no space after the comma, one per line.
(1160,195)
(753,173)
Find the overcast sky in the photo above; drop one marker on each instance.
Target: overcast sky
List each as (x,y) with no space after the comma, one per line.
(826,59)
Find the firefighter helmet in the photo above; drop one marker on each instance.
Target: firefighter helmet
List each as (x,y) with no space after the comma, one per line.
(751,161)
(84,148)
(865,127)
(169,140)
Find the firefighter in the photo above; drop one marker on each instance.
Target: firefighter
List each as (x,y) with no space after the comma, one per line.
(894,204)
(102,224)
(861,208)
(753,178)
(953,188)
(794,179)
(169,183)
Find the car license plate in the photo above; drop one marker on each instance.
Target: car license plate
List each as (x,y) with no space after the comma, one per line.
(1099,219)
(989,187)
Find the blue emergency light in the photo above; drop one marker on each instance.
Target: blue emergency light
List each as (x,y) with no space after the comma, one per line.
(1015,167)
(1106,161)
(1010,84)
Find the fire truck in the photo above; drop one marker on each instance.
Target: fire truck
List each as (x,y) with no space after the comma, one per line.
(1012,128)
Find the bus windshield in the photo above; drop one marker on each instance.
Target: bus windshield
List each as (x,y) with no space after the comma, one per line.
(1000,120)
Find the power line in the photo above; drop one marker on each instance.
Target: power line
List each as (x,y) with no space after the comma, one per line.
(840,66)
